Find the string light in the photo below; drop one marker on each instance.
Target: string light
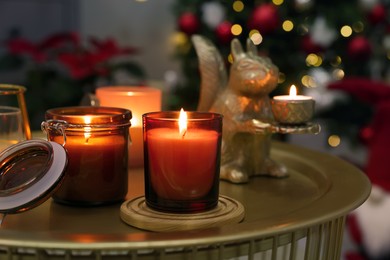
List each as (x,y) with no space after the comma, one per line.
(308,81)
(313,60)
(181,40)
(358,27)
(288,25)
(346,31)
(338,74)
(334,140)
(238,6)
(336,61)
(236,29)
(277,2)
(252,32)
(256,37)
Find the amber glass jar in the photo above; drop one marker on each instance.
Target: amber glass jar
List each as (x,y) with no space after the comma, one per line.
(96,141)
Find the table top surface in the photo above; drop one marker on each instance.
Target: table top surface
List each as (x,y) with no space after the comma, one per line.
(320,187)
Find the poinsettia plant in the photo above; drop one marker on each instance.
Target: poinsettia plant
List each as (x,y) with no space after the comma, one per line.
(62,69)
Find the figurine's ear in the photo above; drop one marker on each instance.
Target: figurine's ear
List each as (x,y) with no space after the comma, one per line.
(251,47)
(236,49)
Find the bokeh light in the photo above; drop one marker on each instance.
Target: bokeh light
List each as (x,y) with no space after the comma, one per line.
(236,29)
(288,25)
(346,31)
(313,60)
(256,37)
(238,6)
(334,140)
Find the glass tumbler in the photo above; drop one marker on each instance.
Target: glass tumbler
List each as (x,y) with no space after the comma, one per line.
(182,167)
(14,123)
(11,131)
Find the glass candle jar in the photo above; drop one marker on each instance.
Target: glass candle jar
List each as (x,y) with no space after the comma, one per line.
(141,100)
(182,164)
(96,141)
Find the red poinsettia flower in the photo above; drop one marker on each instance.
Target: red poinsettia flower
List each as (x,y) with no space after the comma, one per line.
(80,65)
(20,46)
(39,51)
(85,63)
(59,40)
(108,49)
(65,47)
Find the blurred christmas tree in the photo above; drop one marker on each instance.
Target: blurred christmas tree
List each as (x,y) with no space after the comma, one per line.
(313,42)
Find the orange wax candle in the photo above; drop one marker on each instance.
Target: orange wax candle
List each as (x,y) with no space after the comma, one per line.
(95,170)
(182,162)
(138,99)
(96,141)
(182,168)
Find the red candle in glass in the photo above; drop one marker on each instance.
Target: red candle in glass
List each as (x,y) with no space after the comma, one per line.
(96,141)
(182,160)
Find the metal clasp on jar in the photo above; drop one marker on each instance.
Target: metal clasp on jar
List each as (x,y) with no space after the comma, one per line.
(55,125)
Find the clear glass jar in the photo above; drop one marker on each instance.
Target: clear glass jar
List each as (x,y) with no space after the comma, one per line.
(96,140)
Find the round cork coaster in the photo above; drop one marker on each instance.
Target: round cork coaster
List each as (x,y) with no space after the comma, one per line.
(136,213)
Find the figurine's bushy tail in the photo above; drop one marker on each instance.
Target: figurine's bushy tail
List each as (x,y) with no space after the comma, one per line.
(212,70)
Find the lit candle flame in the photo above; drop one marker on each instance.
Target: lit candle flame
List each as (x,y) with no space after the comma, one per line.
(87,130)
(135,122)
(293,91)
(183,123)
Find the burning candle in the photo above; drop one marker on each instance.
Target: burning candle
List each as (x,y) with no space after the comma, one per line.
(292,109)
(96,141)
(182,160)
(139,100)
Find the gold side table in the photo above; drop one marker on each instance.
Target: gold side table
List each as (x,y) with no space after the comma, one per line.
(299,217)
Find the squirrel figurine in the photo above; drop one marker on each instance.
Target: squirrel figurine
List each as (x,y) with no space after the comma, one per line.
(243,100)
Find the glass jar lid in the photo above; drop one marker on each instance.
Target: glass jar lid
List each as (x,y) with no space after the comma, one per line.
(30,171)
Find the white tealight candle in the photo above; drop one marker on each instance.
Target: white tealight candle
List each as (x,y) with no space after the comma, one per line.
(293,95)
(293,109)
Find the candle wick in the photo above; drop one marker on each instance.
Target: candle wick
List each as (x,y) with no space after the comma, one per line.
(184,133)
(86,139)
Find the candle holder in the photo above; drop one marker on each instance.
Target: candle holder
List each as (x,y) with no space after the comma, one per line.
(182,168)
(96,141)
(293,112)
(292,109)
